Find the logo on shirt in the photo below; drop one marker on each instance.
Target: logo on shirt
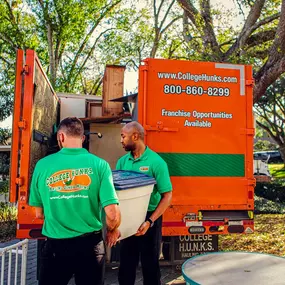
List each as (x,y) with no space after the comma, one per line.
(70,180)
(144,168)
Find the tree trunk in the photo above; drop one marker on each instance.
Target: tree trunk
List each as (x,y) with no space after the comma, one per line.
(51,55)
(155,45)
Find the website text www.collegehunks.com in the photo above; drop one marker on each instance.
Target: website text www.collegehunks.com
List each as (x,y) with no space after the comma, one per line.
(196,89)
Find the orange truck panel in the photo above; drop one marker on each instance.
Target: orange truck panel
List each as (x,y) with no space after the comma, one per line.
(198,117)
(29,78)
(14,181)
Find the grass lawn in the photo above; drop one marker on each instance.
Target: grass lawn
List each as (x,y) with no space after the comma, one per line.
(277,170)
(269,237)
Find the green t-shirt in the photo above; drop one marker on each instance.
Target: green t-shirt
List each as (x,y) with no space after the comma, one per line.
(153,165)
(72,186)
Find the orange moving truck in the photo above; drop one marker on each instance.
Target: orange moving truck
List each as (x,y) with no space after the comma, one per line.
(197,116)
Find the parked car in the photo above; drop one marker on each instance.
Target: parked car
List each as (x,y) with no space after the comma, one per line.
(270,156)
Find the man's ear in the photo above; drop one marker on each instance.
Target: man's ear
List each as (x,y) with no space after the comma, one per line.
(136,136)
(61,137)
(83,138)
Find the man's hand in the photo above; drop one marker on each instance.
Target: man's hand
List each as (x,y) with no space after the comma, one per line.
(112,237)
(39,213)
(143,228)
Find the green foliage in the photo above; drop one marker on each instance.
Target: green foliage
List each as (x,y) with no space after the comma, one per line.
(5,134)
(260,132)
(277,170)
(261,145)
(4,187)
(265,206)
(6,98)
(270,110)
(64,34)
(273,191)
(4,163)
(8,212)
(17,30)
(130,39)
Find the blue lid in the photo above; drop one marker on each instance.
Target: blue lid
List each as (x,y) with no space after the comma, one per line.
(131,179)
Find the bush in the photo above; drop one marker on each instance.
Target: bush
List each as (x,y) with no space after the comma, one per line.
(7,231)
(262,145)
(8,212)
(264,206)
(8,221)
(4,187)
(273,191)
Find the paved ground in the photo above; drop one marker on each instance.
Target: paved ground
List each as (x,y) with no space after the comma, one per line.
(169,275)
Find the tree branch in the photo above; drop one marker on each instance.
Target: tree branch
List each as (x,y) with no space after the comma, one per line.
(172,49)
(209,37)
(170,24)
(260,38)
(155,13)
(253,16)
(265,117)
(275,65)
(15,24)
(96,82)
(185,31)
(265,21)
(5,60)
(158,30)
(260,54)
(160,6)
(8,40)
(190,10)
(275,138)
(166,14)
(226,43)
(273,125)
(48,24)
(133,62)
(88,56)
(11,15)
(85,41)
(98,86)
(62,70)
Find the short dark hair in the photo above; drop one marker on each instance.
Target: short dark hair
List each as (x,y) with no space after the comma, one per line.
(134,126)
(72,126)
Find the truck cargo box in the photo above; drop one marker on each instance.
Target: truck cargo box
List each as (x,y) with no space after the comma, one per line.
(198,117)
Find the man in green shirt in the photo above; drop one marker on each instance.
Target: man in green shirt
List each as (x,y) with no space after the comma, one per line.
(69,189)
(146,243)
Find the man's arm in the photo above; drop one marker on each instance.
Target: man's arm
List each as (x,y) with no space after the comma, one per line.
(109,202)
(161,208)
(113,217)
(39,213)
(164,187)
(35,199)
(113,221)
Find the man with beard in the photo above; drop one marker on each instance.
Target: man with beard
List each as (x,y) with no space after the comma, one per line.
(146,243)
